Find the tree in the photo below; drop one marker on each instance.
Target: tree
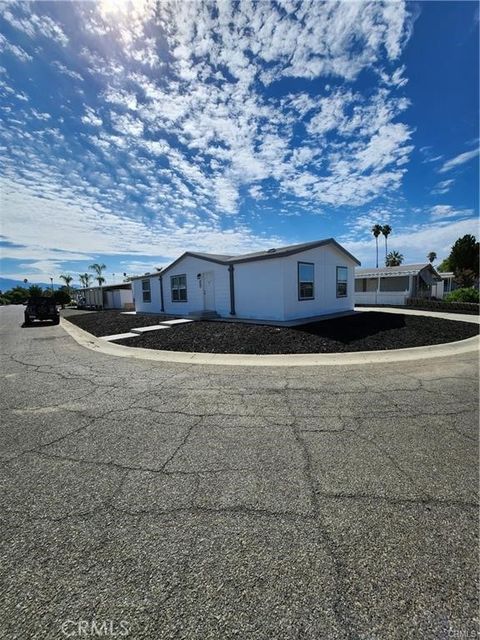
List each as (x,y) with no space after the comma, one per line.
(444,266)
(17,295)
(465,278)
(393,259)
(67,279)
(386,231)
(98,268)
(464,255)
(85,279)
(34,290)
(376,230)
(62,297)
(432,256)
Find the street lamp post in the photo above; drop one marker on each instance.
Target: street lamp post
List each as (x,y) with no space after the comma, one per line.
(51,284)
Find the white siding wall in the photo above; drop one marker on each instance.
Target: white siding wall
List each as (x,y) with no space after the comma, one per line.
(147,307)
(326,260)
(93,296)
(268,289)
(438,290)
(126,297)
(191,267)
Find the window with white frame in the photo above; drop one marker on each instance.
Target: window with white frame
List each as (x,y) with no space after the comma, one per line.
(146,293)
(306,276)
(342,282)
(179,288)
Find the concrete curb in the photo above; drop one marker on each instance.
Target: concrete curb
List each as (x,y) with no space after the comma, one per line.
(470,345)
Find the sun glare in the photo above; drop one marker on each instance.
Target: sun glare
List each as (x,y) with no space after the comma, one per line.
(122,8)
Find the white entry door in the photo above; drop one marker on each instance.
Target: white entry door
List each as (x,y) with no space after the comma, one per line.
(208,291)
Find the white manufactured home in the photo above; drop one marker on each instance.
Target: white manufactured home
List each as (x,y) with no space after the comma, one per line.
(394,285)
(287,283)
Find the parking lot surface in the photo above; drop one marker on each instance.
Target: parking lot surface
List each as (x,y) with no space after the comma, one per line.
(159,500)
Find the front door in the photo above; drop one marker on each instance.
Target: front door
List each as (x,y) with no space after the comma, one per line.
(208,291)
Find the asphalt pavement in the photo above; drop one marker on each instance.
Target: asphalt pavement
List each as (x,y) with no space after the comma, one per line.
(157,500)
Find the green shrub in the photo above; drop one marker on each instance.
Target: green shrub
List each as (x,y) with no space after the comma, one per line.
(462,295)
(61,297)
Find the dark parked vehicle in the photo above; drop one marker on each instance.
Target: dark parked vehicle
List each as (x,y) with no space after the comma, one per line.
(41,308)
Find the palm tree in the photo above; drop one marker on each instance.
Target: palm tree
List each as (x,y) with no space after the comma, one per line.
(85,279)
(35,290)
(386,231)
(98,268)
(393,259)
(432,256)
(376,230)
(67,279)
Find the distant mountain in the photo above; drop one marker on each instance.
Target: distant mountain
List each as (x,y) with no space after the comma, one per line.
(8,283)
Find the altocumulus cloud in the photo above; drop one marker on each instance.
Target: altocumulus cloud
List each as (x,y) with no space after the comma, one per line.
(146,128)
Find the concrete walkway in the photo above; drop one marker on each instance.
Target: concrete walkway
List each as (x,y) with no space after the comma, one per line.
(459,317)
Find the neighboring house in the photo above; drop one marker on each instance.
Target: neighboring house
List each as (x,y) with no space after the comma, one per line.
(287,283)
(109,296)
(448,284)
(394,285)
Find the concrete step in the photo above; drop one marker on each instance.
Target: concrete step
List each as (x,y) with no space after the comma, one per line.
(119,336)
(153,327)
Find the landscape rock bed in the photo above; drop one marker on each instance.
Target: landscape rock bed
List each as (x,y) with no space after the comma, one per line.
(366,331)
(107,323)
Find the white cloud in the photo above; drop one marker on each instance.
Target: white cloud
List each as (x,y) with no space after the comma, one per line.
(176,148)
(136,267)
(14,50)
(121,97)
(416,241)
(442,187)
(53,218)
(447,211)
(66,71)
(91,118)
(330,112)
(458,160)
(127,124)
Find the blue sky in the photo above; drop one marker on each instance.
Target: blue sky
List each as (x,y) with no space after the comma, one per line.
(133,132)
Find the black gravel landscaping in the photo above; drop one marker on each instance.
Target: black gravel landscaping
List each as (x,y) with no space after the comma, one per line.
(365,331)
(108,323)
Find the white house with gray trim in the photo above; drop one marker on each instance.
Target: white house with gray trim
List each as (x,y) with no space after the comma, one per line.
(286,283)
(394,285)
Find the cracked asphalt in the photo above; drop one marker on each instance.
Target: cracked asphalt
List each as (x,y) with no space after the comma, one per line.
(201,502)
